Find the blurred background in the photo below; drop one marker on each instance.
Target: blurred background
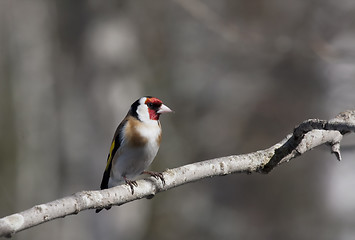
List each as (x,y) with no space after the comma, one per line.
(239,74)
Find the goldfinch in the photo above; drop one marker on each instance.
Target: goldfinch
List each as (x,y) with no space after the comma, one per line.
(135,144)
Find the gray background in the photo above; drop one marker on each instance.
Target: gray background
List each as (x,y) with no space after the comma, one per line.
(239,74)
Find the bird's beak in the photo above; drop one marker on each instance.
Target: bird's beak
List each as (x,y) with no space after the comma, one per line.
(164,109)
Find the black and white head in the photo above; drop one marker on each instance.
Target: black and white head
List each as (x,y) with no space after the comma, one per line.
(148,109)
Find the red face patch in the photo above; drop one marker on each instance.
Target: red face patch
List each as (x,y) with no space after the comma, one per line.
(153,106)
(154,100)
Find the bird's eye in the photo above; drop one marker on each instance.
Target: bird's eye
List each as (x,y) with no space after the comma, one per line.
(150,105)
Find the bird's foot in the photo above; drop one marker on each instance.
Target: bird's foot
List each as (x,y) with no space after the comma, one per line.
(156,175)
(131,184)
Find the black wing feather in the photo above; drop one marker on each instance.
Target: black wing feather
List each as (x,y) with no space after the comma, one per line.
(117,139)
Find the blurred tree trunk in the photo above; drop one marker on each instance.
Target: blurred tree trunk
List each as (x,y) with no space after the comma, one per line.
(8,149)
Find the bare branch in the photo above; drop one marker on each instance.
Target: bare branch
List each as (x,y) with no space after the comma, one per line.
(305,137)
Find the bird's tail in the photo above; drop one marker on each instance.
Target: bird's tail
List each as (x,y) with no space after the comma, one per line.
(104,185)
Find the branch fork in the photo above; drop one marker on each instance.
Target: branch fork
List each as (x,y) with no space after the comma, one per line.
(308,135)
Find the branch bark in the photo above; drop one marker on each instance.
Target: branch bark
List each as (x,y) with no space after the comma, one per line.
(308,135)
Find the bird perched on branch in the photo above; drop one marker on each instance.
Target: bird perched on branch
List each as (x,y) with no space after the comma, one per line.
(135,144)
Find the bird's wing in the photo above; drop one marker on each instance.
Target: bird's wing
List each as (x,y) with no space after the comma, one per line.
(115,145)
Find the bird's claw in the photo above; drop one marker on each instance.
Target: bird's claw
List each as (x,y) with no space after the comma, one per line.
(131,184)
(156,175)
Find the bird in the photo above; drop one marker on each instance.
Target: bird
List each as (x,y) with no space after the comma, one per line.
(135,144)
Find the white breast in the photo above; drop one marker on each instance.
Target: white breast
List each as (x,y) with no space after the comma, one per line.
(150,129)
(132,161)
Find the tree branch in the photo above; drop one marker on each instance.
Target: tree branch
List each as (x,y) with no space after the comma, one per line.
(306,136)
